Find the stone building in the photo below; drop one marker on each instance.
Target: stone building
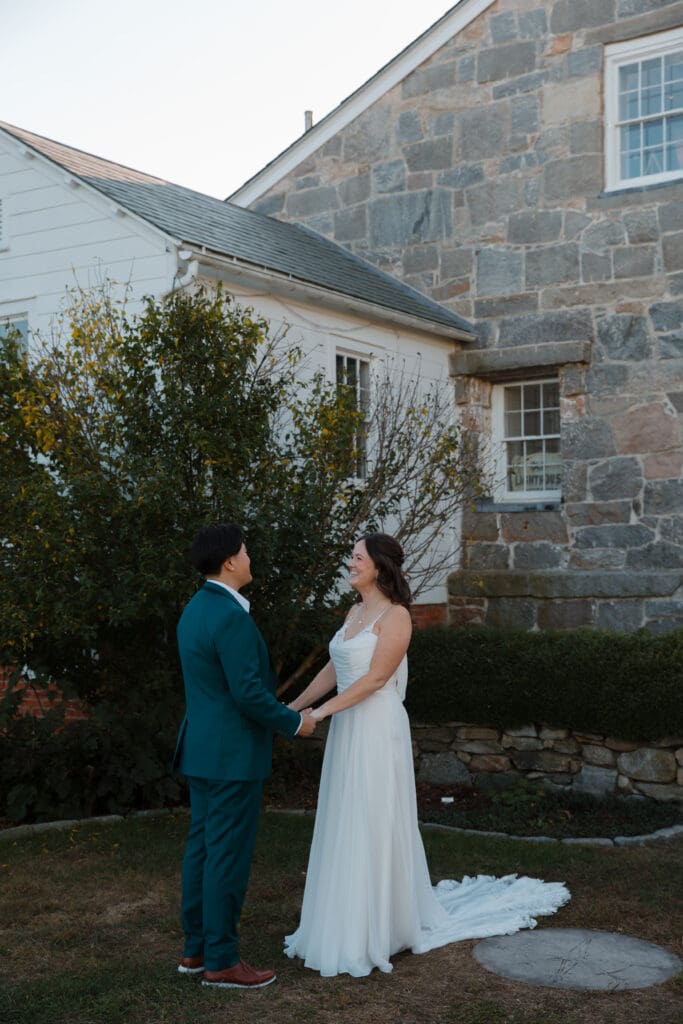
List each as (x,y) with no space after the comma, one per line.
(522,163)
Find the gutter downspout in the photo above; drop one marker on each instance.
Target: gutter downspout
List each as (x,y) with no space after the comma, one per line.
(190,274)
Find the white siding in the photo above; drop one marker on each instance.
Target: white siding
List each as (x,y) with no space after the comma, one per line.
(60,235)
(321,331)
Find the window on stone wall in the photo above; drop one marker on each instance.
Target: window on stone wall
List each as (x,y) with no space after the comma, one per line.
(644,110)
(353,373)
(526,435)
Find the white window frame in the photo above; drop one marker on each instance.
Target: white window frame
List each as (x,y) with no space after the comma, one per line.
(616,55)
(4,222)
(363,396)
(502,494)
(17,319)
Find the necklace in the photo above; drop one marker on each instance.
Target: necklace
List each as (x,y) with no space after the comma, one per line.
(363,609)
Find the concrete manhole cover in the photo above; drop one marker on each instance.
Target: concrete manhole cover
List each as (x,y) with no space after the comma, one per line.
(575,958)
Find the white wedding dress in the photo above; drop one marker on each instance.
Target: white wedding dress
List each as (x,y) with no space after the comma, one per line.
(368,893)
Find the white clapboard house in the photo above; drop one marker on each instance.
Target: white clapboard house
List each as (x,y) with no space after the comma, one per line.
(70,219)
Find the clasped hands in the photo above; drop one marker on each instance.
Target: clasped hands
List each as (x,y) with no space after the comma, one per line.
(309,719)
(308,723)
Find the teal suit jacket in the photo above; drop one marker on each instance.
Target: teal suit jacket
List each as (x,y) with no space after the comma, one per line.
(231,708)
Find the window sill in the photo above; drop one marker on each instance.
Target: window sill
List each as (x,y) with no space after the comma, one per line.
(489,505)
(626,190)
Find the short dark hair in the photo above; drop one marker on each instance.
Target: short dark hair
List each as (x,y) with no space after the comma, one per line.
(213,544)
(387,556)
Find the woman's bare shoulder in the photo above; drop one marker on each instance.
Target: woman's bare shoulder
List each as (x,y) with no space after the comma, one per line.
(396,615)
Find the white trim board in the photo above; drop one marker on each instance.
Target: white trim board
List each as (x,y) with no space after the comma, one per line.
(627,52)
(283,285)
(454,21)
(102,201)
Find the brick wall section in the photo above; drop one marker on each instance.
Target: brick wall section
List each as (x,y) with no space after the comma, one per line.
(37,701)
(427,615)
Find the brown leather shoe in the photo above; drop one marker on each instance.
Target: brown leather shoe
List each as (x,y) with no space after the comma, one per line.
(239,976)
(191,965)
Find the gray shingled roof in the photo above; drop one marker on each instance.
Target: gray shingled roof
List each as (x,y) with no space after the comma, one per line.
(230,230)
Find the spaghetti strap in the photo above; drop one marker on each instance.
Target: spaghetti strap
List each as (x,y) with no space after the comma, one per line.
(365,629)
(374,622)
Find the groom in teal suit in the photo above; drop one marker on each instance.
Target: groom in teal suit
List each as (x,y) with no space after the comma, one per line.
(224,750)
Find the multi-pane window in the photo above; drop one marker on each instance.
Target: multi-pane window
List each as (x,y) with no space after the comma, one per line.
(354,373)
(644,91)
(528,427)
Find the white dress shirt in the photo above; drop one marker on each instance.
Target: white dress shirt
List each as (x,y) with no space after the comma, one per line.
(235,593)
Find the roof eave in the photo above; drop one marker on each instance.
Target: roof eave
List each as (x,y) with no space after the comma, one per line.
(286,284)
(175,244)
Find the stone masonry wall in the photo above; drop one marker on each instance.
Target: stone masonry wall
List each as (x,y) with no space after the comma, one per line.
(479,180)
(463,754)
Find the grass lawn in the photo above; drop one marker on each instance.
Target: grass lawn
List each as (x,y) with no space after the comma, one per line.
(89,933)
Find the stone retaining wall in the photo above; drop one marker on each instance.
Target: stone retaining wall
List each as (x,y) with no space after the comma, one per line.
(464,754)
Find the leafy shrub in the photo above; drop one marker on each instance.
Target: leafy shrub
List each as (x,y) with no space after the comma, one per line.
(627,685)
(113,762)
(122,435)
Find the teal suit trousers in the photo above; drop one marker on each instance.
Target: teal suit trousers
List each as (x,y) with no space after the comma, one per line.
(216,867)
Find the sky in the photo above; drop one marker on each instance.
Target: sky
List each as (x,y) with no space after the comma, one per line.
(201,93)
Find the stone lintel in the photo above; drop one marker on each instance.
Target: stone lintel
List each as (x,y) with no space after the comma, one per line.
(501,361)
(551,584)
(639,25)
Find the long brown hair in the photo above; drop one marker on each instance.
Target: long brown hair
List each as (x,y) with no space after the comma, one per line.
(387,556)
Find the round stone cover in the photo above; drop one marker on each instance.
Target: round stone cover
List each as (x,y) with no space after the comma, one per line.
(576,958)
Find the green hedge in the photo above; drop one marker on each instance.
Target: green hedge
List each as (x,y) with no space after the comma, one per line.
(626,685)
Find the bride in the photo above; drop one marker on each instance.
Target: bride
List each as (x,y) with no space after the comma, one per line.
(368,893)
